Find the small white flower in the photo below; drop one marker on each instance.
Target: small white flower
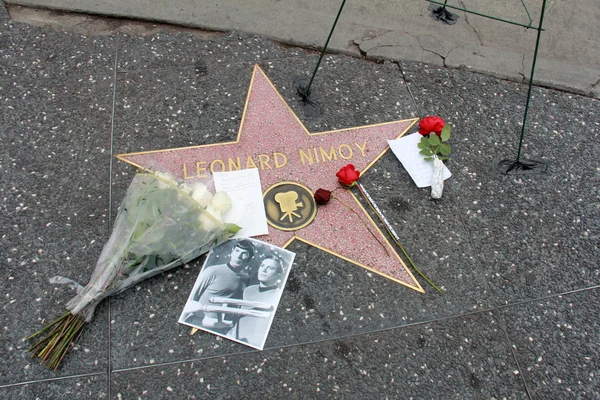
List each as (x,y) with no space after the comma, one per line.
(208,223)
(166,176)
(221,202)
(201,194)
(187,189)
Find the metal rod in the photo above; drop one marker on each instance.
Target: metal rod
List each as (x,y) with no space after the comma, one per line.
(535,54)
(325,47)
(487,16)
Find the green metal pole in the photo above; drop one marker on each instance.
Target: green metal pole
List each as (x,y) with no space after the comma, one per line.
(535,54)
(307,90)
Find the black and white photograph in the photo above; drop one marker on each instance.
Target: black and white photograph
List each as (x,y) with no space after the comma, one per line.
(238,290)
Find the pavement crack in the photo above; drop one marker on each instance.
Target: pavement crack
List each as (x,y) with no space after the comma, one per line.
(433,52)
(522,72)
(471,26)
(418,39)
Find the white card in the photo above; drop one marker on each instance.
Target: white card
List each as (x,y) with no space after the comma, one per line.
(407,150)
(248,209)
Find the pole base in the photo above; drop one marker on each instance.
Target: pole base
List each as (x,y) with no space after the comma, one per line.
(522,167)
(440,13)
(311,107)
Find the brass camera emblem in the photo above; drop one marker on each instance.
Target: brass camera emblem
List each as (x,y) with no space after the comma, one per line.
(289,206)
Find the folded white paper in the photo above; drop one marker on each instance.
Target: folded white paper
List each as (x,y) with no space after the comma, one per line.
(247,209)
(407,150)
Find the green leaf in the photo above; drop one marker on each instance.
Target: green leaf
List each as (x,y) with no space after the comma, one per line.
(232,228)
(424,145)
(445,149)
(428,158)
(434,140)
(425,152)
(443,158)
(446,132)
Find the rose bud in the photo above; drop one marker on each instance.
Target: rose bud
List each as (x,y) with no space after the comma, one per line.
(431,124)
(347,175)
(322,196)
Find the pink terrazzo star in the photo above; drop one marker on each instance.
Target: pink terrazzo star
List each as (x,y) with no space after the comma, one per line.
(274,140)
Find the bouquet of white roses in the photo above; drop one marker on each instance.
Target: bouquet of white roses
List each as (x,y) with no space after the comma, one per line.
(160,225)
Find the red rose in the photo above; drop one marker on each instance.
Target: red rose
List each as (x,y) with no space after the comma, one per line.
(431,124)
(348,175)
(322,196)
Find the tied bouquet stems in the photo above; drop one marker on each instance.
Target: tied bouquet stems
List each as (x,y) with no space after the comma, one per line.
(160,225)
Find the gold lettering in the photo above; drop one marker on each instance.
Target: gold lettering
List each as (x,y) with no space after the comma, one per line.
(233,165)
(212,165)
(316,154)
(277,163)
(200,170)
(304,156)
(343,145)
(250,163)
(331,156)
(185,175)
(264,159)
(362,149)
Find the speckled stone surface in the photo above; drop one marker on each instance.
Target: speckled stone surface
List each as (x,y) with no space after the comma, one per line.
(89,387)
(556,345)
(463,358)
(33,52)
(54,161)
(535,235)
(176,50)
(516,243)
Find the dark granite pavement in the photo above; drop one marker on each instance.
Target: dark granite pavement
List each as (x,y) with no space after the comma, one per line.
(517,257)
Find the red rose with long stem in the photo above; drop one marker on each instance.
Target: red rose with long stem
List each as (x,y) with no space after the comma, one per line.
(348,175)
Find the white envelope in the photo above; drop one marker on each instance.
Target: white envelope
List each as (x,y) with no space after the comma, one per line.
(407,150)
(248,209)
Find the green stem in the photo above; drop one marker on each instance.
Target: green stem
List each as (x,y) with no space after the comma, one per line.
(412,264)
(365,224)
(48,326)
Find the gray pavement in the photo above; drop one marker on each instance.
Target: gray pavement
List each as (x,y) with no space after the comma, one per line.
(517,257)
(399,30)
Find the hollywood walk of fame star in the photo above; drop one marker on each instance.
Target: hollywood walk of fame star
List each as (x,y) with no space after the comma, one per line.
(272,139)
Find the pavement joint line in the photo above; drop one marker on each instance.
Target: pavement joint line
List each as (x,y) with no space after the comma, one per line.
(345,337)
(596,287)
(110,174)
(403,76)
(514,354)
(58,378)
(191,66)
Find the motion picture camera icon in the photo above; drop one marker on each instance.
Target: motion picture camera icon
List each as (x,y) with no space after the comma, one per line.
(289,206)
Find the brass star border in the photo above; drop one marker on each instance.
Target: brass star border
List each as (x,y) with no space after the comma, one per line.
(273,139)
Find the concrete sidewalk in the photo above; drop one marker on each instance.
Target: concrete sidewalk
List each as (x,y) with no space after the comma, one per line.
(516,257)
(399,30)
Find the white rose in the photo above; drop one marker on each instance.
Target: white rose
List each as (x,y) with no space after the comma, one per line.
(221,202)
(187,189)
(166,176)
(208,223)
(201,194)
